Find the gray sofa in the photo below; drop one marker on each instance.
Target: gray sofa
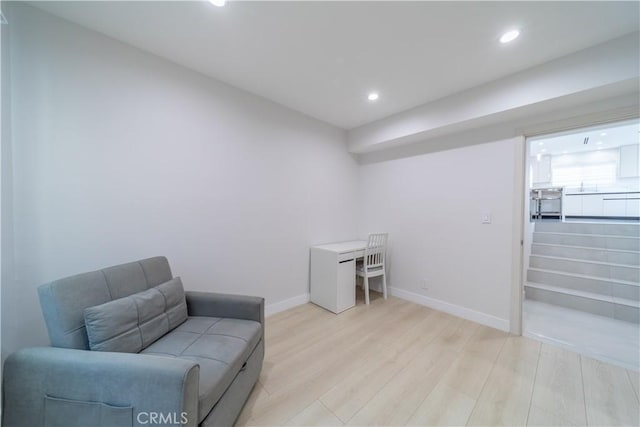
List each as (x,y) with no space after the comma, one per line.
(193,365)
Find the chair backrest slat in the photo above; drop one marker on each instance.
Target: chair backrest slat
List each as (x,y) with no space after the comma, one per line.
(376,249)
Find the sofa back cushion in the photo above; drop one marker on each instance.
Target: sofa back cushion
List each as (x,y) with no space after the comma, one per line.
(133,323)
(63,301)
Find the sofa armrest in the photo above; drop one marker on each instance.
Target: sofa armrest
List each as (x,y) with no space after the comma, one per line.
(56,386)
(225,305)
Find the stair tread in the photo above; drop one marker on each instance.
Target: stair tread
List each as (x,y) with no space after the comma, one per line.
(586,276)
(588,261)
(592,248)
(585,294)
(617,236)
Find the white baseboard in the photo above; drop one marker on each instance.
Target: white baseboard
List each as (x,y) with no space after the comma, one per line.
(277,307)
(456,310)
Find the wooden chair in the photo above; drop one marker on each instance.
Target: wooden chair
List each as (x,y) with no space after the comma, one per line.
(373,264)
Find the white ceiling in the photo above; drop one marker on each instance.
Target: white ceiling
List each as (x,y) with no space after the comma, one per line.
(322,58)
(599,138)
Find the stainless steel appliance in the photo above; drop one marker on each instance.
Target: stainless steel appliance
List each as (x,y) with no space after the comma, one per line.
(546,203)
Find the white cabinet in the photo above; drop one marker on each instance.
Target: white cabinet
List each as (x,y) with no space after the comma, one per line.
(629,158)
(346,296)
(592,205)
(333,274)
(614,205)
(572,205)
(602,205)
(541,170)
(633,205)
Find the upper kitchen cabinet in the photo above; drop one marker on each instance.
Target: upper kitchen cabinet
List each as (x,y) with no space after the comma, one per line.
(541,170)
(629,159)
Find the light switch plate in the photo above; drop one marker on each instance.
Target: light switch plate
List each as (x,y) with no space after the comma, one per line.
(486,217)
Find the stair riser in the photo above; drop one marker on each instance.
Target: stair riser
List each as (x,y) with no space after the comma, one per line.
(588,241)
(630,274)
(589,228)
(602,287)
(601,308)
(600,255)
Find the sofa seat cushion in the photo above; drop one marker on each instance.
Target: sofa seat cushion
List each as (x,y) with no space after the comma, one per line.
(219,345)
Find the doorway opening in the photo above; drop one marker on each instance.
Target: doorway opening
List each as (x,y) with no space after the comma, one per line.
(582,241)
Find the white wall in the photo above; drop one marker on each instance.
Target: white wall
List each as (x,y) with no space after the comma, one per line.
(6,227)
(431,205)
(120,155)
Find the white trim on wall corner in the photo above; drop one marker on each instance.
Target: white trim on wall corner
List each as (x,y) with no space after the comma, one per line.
(277,307)
(456,310)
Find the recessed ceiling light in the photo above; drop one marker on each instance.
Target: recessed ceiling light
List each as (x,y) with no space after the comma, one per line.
(540,143)
(509,36)
(603,134)
(218,3)
(373,96)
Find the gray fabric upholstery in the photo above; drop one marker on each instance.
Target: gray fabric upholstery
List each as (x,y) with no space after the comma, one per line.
(144,382)
(219,345)
(231,403)
(206,367)
(212,304)
(124,280)
(63,301)
(56,413)
(132,323)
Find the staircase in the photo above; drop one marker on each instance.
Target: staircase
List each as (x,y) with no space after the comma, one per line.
(591,267)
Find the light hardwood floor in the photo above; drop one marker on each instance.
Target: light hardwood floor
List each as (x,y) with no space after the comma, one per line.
(395,363)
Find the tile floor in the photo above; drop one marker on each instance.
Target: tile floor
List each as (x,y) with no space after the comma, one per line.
(602,338)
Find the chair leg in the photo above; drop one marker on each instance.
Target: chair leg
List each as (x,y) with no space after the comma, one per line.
(366,290)
(384,285)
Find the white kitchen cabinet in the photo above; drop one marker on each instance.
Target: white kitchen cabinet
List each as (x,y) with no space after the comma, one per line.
(614,205)
(633,205)
(629,159)
(605,205)
(592,205)
(572,205)
(541,170)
